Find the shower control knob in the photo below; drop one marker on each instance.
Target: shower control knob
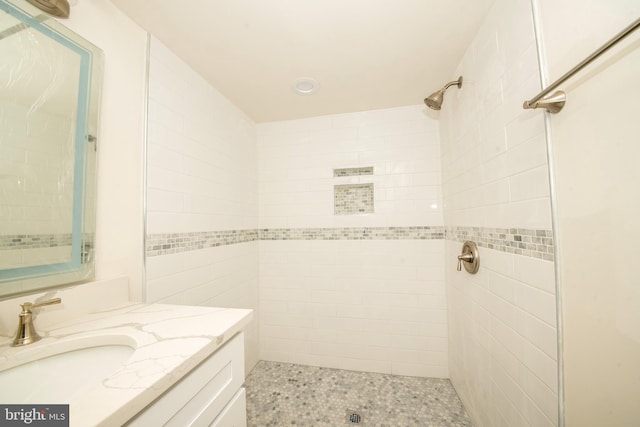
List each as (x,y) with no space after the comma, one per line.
(469,258)
(466,258)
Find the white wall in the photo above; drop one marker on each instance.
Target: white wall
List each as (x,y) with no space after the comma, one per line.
(595,149)
(297,159)
(572,29)
(201,178)
(372,305)
(502,321)
(119,229)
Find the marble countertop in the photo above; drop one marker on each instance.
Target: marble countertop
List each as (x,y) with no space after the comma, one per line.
(167,340)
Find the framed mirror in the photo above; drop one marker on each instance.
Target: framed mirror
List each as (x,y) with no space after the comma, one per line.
(50,82)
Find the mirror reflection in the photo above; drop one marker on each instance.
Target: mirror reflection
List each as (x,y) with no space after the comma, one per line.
(49,86)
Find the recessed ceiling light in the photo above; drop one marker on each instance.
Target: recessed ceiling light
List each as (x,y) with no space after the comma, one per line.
(305,86)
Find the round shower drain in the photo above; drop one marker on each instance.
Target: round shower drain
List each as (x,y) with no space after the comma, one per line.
(354,418)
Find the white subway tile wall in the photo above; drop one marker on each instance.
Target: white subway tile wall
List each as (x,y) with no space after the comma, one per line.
(502,321)
(201,178)
(297,160)
(366,305)
(370,305)
(503,342)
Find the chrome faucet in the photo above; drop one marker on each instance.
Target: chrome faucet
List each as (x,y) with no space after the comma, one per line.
(26,333)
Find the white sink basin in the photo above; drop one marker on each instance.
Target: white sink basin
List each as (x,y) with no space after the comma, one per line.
(61,377)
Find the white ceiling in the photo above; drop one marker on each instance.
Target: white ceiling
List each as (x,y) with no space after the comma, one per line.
(366,54)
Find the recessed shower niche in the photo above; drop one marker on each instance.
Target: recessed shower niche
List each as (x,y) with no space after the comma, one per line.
(352,199)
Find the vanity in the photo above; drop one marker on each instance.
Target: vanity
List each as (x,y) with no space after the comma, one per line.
(132,364)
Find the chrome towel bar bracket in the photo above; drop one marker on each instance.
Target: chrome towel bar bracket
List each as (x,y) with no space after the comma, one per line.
(555,102)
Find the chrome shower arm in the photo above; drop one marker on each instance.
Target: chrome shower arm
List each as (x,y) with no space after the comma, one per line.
(455,82)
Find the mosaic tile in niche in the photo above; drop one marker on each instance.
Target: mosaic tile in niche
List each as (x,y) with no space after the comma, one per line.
(351,199)
(353,171)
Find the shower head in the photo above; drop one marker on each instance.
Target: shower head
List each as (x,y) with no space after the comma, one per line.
(434,101)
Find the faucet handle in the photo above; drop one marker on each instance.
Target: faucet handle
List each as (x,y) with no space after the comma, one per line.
(26,333)
(28,306)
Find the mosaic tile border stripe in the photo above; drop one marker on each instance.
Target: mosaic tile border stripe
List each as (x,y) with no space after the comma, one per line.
(354,233)
(520,241)
(536,243)
(34,241)
(171,243)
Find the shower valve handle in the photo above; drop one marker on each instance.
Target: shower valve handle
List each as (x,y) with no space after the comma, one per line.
(470,257)
(467,257)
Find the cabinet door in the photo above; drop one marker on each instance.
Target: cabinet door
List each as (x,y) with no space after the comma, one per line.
(201,395)
(235,413)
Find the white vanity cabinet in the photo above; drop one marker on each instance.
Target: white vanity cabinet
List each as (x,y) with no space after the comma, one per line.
(210,395)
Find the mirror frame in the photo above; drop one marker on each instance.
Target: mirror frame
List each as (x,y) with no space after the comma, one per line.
(80,267)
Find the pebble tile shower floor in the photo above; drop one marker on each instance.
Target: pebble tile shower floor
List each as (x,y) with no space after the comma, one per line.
(282,394)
